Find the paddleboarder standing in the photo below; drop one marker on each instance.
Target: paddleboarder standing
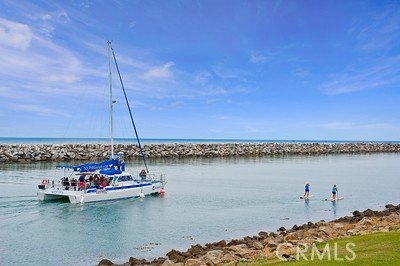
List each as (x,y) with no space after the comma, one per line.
(334,192)
(307,191)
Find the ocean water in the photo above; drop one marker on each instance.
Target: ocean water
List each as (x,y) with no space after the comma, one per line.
(206,200)
(25,140)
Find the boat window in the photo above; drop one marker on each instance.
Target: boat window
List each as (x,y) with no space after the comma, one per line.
(125,178)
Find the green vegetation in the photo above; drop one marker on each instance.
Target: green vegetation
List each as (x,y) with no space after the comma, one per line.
(373,249)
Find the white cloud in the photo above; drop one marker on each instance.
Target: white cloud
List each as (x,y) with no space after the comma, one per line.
(15,35)
(160,72)
(258,58)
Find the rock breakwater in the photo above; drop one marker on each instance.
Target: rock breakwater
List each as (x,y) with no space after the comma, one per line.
(264,245)
(65,152)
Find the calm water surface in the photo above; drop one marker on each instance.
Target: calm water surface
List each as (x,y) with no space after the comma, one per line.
(207,200)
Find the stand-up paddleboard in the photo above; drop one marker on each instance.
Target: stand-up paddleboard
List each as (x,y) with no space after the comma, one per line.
(332,199)
(305,197)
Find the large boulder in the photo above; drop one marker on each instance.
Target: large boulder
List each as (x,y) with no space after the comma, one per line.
(176,256)
(168,263)
(194,262)
(213,257)
(196,250)
(105,262)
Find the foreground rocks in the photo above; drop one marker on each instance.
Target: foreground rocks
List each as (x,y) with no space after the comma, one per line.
(65,152)
(264,245)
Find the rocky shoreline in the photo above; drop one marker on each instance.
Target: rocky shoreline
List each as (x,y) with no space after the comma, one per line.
(66,152)
(265,244)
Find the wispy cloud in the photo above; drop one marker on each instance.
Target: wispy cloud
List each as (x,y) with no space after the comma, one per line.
(159,72)
(382,73)
(256,58)
(226,73)
(45,21)
(370,70)
(68,78)
(31,108)
(381,32)
(44,62)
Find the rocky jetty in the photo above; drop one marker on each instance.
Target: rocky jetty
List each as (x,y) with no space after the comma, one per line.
(264,245)
(65,152)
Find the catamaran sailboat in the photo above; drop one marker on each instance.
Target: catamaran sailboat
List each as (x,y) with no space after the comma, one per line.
(107,180)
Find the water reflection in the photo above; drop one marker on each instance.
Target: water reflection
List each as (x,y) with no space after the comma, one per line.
(334,208)
(307,208)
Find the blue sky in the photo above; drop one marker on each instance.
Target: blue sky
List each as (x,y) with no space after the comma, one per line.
(326,70)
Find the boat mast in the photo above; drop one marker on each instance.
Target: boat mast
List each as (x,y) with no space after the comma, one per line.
(111,102)
(129,109)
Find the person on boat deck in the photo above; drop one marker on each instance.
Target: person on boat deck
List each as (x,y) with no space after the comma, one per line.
(307,191)
(96,182)
(334,192)
(142,174)
(73,183)
(66,183)
(81,182)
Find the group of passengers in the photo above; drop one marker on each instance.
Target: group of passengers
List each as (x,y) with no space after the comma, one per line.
(93,181)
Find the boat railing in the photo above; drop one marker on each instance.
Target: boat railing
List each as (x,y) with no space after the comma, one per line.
(158,178)
(75,185)
(67,185)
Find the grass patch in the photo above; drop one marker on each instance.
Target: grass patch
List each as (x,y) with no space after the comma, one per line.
(374,249)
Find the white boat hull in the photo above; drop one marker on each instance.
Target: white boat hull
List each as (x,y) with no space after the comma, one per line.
(94,195)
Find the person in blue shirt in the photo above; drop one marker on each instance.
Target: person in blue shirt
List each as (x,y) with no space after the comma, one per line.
(307,191)
(334,192)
